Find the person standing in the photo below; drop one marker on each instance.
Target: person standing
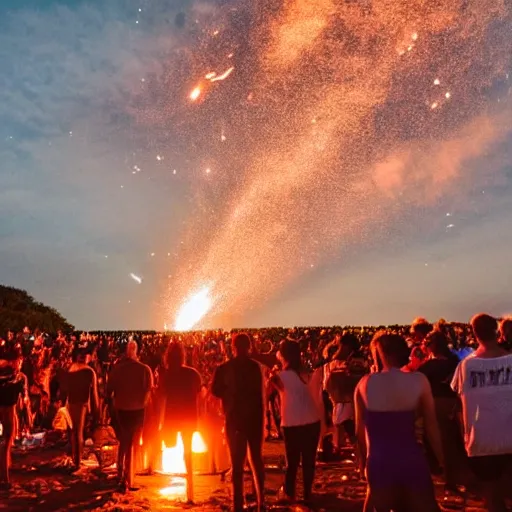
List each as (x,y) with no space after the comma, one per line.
(484,382)
(129,385)
(301,418)
(386,405)
(81,387)
(439,370)
(178,394)
(239,384)
(13,385)
(341,376)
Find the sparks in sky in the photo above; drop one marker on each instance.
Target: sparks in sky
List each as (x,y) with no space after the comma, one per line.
(193,310)
(293,171)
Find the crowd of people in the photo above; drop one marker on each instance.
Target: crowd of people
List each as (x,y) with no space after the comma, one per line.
(414,400)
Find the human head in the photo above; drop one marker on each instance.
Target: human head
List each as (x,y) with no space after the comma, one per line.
(437,343)
(389,350)
(485,328)
(132,349)
(420,328)
(241,344)
(289,354)
(175,355)
(506,329)
(10,354)
(348,345)
(82,356)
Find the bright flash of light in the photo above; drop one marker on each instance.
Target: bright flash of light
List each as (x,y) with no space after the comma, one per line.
(196,92)
(173,462)
(136,278)
(193,310)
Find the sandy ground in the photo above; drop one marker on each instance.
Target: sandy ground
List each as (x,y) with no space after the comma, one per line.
(42,482)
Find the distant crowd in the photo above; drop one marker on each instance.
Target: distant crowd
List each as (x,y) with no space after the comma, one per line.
(408,390)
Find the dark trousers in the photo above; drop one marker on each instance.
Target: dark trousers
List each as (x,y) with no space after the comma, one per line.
(8,420)
(129,429)
(238,441)
(300,443)
(274,412)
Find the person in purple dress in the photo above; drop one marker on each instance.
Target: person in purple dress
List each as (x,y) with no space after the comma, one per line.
(386,406)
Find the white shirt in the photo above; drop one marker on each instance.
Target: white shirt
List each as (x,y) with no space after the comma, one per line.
(485,387)
(298,405)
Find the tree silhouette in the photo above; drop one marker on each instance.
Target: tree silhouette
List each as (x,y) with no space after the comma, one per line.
(18,309)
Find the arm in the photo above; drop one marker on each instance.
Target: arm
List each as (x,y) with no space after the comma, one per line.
(94,396)
(428,412)
(109,388)
(360,408)
(275,382)
(26,401)
(218,386)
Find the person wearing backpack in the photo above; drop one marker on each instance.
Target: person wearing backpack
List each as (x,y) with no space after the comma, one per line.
(341,377)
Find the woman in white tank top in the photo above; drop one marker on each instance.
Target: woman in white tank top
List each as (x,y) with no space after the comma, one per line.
(300,418)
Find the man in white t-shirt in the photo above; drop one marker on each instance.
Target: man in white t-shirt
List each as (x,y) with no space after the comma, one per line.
(484,382)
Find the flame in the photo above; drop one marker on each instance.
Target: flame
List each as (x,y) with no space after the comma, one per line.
(193,310)
(173,462)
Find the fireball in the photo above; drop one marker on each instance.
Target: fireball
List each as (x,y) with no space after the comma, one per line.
(193,310)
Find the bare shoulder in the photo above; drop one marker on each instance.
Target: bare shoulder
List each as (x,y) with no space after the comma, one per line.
(421,379)
(361,385)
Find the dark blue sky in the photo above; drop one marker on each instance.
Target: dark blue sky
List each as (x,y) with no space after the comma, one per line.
(105,171)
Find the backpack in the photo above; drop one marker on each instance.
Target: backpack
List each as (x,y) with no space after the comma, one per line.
(341,384)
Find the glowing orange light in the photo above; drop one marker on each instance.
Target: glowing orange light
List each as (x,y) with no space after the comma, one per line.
(194,95)
(173,462)
(193,310)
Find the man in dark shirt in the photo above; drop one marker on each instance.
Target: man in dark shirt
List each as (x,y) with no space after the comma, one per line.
(130,383)
(239,384)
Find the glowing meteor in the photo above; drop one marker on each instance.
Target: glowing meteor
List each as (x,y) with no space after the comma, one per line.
(136,278)
(196,92)
(193,310)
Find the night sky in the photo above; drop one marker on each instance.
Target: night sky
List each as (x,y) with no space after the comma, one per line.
(346,168)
